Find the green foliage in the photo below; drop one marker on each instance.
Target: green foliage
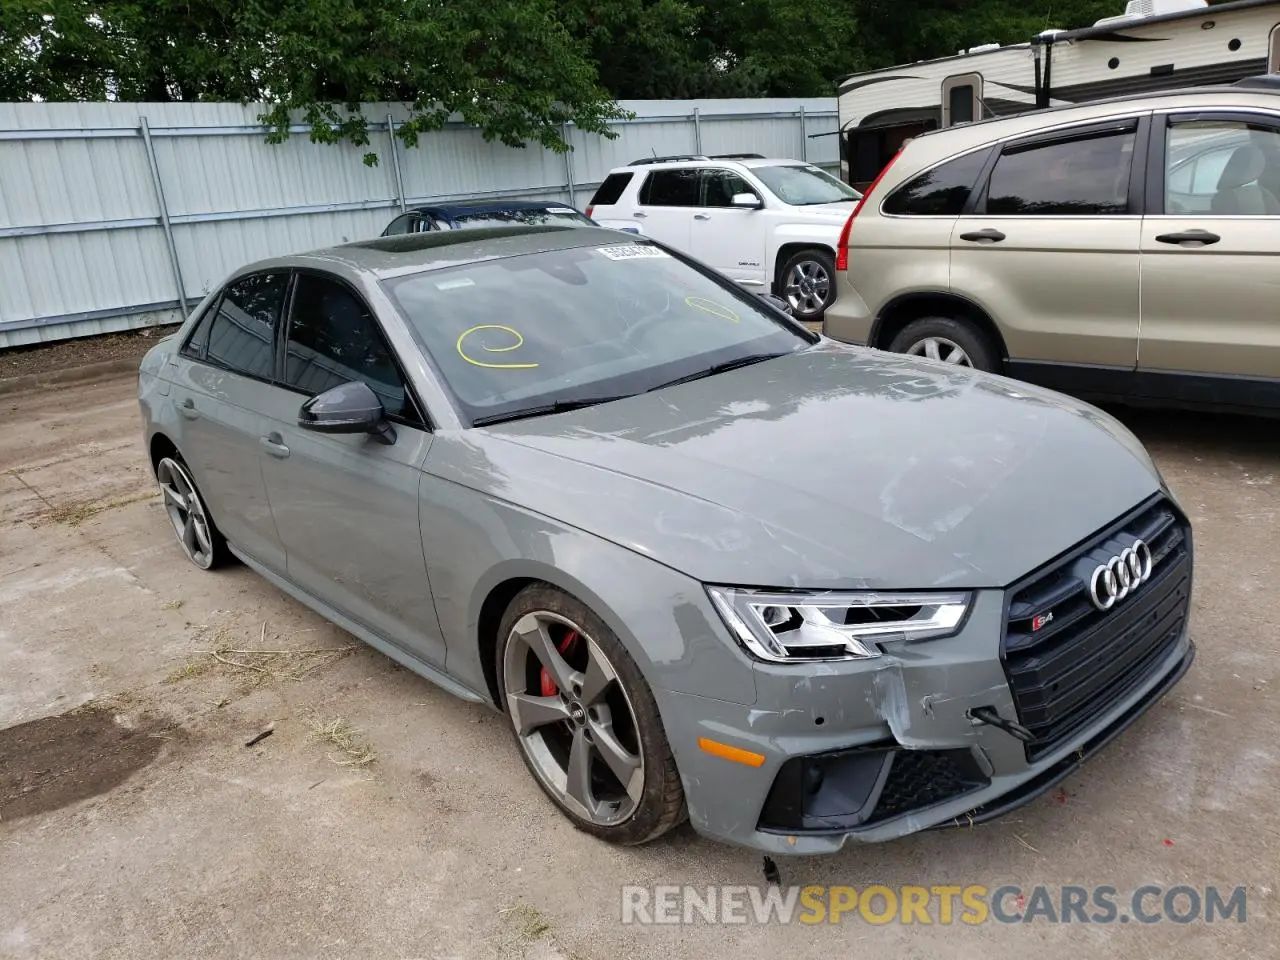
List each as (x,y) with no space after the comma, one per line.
(517,69)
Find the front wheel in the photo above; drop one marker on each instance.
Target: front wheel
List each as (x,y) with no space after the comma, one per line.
(807,282)
(947,340)
(195,530)
(585,720)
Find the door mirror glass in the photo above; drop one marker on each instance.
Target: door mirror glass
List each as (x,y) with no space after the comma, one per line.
(748,200)
(347,408)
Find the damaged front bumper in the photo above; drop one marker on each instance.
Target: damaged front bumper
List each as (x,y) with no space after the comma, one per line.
(873,750)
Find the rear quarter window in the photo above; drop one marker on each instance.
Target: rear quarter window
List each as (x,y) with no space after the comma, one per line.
(942,191)
(610,192)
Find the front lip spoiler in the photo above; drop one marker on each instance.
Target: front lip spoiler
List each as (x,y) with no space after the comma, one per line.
(1048,779)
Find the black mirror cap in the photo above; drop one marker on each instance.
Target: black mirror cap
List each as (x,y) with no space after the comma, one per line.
(347,408)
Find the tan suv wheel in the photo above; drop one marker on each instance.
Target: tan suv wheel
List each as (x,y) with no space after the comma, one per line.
(946,340)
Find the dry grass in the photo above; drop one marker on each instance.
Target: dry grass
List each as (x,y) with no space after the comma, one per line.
(353,749)
(256,666)
(524,926)
(78,511)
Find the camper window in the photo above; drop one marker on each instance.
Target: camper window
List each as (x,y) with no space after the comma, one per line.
(1273,60)
(961,99)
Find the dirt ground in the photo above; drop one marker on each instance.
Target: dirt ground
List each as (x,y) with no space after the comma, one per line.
(375,816)
(43,358)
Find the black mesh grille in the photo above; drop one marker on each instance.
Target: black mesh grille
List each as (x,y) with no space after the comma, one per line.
(922,778)
(1065,670)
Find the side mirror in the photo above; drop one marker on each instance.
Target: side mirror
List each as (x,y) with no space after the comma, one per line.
(347,408)
(747,200)
(777,303)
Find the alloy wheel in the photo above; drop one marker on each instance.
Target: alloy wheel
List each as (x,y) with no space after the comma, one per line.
(186,512)
(807,286)
(573,719)
(940,348)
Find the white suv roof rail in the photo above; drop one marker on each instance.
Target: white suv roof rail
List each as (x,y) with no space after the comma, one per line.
(683,157)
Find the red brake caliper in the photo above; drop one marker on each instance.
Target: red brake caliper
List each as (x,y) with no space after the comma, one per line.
(549,688)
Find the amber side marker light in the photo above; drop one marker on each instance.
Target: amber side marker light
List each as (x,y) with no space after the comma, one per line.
(726,752)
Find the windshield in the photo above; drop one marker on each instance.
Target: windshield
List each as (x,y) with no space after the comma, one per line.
(505,218)
(802,185)
(517,334)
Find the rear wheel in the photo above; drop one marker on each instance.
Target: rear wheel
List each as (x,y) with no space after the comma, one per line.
(947,340)
(196,532)
(807,282)
(585,720)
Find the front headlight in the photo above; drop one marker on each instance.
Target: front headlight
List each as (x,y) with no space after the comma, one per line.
(790,627)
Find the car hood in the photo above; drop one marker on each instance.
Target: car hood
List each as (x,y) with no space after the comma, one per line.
(836,467)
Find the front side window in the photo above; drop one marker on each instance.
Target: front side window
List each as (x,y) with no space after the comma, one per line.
(719,187)
(802,185)
(518,334)
(670,188)
(334,339)
(242,332)
(942,191)
(1080,177)
(1222,168)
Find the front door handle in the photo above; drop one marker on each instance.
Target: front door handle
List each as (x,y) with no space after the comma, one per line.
(1189,238)
(274,444)
(701,216)
(983,236)
(188,409)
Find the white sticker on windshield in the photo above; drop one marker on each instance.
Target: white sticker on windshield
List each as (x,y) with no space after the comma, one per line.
(455,283)
(634,251)
(560,210)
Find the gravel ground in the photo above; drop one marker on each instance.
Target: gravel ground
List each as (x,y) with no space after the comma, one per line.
(46,358)
(380,817)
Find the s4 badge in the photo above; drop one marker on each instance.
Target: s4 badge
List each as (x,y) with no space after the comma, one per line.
(1041,620)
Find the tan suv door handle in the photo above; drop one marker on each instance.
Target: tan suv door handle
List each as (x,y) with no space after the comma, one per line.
(983,236)
(1199,238)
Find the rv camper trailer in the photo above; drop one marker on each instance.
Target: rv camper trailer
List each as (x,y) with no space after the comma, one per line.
(1154,45)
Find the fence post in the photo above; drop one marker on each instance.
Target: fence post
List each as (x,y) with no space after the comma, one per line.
(804,135)
(395,162)
(697,131)
(568,167)
(164,213)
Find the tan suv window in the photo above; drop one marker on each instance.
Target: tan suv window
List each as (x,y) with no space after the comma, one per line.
(1085,176)
(1222,168)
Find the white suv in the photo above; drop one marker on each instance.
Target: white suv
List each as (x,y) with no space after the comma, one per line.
(764,223)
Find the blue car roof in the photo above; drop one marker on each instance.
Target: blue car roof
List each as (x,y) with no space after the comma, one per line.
(467,207)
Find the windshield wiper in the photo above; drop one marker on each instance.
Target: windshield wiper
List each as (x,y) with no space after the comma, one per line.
(724,367)
(558,406)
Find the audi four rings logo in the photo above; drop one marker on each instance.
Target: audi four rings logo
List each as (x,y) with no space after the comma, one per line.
(1120,576)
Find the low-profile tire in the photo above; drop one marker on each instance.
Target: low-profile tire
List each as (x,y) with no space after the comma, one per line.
(807,281)
(585,720)
(947,340)
(197,534)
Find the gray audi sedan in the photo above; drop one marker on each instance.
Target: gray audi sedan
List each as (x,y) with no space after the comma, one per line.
(707,564)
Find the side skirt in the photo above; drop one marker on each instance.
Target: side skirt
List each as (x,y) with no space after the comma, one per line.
(385,647)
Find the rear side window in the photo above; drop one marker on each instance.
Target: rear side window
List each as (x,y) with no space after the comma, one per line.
(1085,176)
(610,192)
(670,188)
(400,225)
(242,333)
(942,191)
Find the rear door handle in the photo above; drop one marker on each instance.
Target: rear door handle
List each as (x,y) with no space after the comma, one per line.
(701,216)
(983,236)
(188,409)
(639,214)
(274,444)
(1197,238)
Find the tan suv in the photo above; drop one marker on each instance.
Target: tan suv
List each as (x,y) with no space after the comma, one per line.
(1126,249)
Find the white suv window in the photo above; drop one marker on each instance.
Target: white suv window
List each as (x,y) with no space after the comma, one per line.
(719,187)
(801,185)
(678,187)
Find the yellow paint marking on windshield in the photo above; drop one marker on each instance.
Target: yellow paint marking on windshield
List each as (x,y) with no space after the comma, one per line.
(494,366)
(713,308)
